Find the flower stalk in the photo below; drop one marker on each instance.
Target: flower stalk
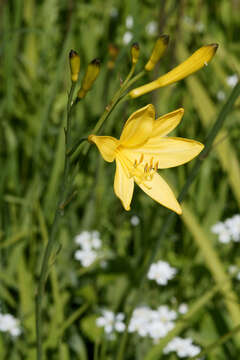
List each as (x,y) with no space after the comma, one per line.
(64,189)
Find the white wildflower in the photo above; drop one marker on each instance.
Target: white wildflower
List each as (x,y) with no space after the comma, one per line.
(183,308)
(232,80)
(129,22)
(228,230)
(161,272)
(140,320)
(222,231)
(151,28)
(183,347)
(86,257)
(111,322)
(90,245)
(9,323)
(135,220)
(127,37)
(153,323)
(233,225)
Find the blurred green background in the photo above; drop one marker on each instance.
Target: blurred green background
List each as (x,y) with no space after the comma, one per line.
(35,39)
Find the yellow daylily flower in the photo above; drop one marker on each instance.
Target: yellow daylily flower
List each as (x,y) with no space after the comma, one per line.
(142,149)
(192,64)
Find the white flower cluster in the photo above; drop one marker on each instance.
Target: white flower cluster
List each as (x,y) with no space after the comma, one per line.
(8,323)
(90,245)
(153,323)
(183,347)
(161,272)
(111,322)
(228,230)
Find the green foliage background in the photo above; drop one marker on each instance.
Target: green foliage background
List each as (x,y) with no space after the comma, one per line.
(35,39)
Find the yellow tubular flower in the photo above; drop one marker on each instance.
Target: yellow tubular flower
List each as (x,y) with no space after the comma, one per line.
(158,51)
(195,62)
(142,149)
(74,60)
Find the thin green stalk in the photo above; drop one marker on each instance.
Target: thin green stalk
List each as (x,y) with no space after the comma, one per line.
(208,144)
(53,231)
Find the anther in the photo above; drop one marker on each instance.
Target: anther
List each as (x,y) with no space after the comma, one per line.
(146,168)
(135,163)
(141,159)
(151,163)
(156,166)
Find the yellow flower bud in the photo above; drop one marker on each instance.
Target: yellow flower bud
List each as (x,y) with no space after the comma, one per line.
(192,64)
(158,51)
(135,50)
(89,78)
(74,61)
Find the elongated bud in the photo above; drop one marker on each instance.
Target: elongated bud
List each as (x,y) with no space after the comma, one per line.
(89,78)
(135,51)
(74,61)
(158,51)
(194,63)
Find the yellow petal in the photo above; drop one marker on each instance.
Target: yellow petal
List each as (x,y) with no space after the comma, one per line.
(123,185)
(194,63)
(166,123)
(159,191)
(138,127)
(164,153)
(106,145)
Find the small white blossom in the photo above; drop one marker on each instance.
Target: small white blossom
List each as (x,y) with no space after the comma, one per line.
(9,323)
(221,96)
(135,220)
(129,22)
(228,230)
(90,244)
(183,347)
(161,272)
(232,80)
(222,231)
(140,320)
(86,257)
(183,309)
(127,37)
(111,322)
(153,323)
(151,28)
(233,225)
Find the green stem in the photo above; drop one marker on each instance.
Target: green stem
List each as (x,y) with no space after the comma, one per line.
(52,237)
(208,144)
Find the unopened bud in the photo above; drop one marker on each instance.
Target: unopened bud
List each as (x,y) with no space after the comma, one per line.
(135,51)
(89,78)
(158,51)
(74,61)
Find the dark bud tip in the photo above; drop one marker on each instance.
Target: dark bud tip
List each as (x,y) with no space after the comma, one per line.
(96,62)
(72,53)
(136,45)
(215,46)
(165,38)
